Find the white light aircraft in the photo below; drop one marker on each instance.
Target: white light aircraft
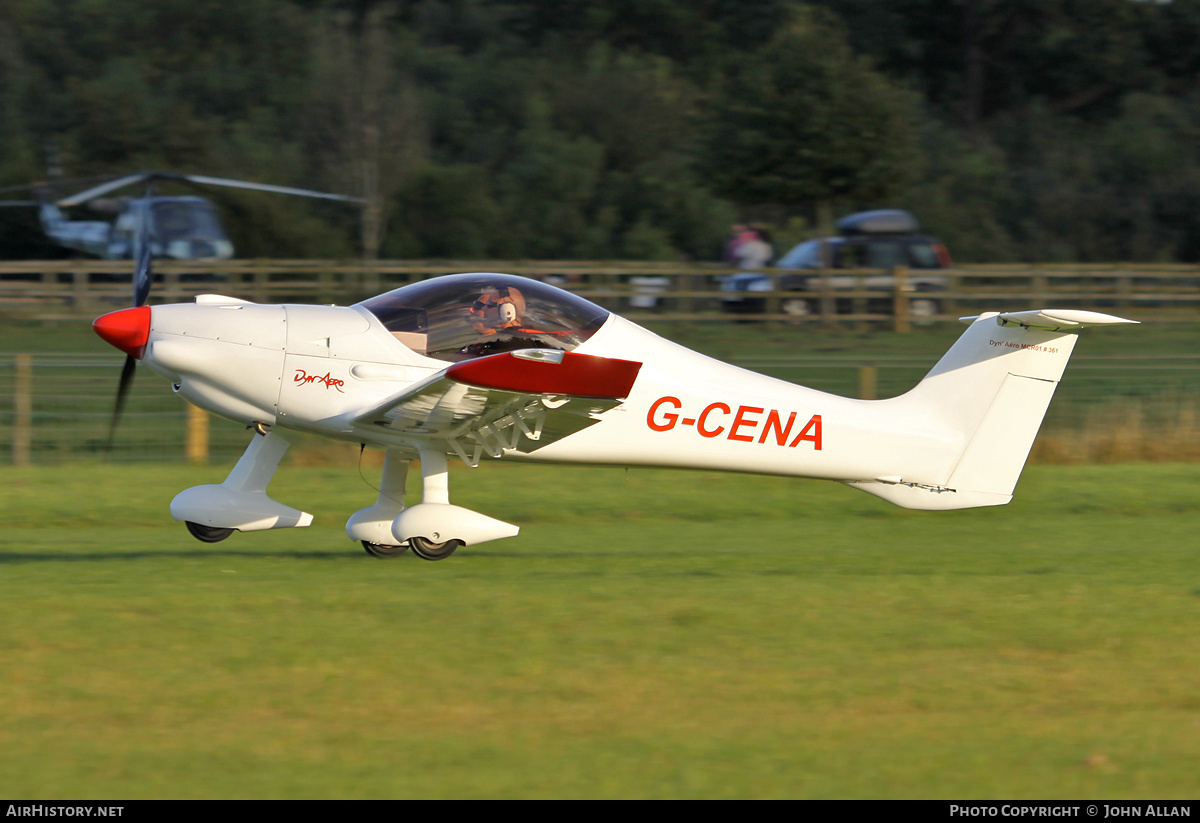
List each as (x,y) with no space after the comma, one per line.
(486,366)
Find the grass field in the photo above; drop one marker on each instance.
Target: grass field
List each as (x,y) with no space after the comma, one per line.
(649,634)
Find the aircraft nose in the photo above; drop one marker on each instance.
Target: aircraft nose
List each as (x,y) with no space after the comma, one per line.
(127,329)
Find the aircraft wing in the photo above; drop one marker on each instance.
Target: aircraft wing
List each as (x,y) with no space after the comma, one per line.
(515,401)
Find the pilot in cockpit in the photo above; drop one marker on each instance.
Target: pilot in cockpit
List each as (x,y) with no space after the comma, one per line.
(497,308)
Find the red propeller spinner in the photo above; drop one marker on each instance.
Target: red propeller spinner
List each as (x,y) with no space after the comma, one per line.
(127,329)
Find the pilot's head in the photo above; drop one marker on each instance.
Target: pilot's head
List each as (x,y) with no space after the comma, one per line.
(497,308)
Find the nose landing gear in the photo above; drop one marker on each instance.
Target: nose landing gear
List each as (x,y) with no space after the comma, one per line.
(213,512)
(207,534)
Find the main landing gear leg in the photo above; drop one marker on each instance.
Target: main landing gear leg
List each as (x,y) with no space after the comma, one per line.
(372,526)
(434,528)
(435,490)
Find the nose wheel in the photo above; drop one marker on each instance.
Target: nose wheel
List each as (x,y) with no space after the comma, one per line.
(207,534)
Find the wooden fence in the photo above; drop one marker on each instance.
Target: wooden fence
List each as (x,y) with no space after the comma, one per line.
(70,289)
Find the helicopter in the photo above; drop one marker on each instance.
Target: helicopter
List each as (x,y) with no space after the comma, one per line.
(487,366)
(177,227)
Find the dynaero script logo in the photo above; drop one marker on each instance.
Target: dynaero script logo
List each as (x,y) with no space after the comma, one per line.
(326,380)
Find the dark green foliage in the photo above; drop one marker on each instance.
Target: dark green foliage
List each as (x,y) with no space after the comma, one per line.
(804,120)
(1051,130)
(1063,129)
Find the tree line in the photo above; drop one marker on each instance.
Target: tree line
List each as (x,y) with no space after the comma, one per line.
(1041,130)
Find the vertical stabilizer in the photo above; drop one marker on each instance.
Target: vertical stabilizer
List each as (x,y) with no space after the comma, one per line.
(990,393)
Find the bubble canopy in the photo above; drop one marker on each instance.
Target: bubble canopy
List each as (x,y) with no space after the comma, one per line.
(462,316)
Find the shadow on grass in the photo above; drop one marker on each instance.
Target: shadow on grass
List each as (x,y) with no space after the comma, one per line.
(460,557)
(94,557)
(13,558)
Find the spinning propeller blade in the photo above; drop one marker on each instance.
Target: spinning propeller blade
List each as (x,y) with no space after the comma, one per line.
(143,274)
(138,325)
(122,391)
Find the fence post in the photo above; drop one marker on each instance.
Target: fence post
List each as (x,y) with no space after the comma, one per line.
(171,289)
(685,303)
(828,301)
(1124,289)
(326,285)
(371,281)
(80,285)
(23,410)
(197,435)
(900,304)
(859,304)
(950,305)
(868,381)
(49,287)
(1040,288)
(262,282)
(771,305)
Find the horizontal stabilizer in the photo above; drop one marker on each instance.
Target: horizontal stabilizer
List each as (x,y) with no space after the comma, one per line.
(1053,319)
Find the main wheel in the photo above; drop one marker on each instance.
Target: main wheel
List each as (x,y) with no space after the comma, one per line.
(383,550)
(207,534)
(428,550)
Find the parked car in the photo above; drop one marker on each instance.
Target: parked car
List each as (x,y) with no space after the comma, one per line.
(880,240)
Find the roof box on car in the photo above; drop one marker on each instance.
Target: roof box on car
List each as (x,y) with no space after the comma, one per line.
(881,221)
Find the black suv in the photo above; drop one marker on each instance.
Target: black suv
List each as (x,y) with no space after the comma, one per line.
(879,240)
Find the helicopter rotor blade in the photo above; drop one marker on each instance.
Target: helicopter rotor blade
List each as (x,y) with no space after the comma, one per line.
(46,186)
(113,183)
(58,183)
(243,184)
(104,188)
